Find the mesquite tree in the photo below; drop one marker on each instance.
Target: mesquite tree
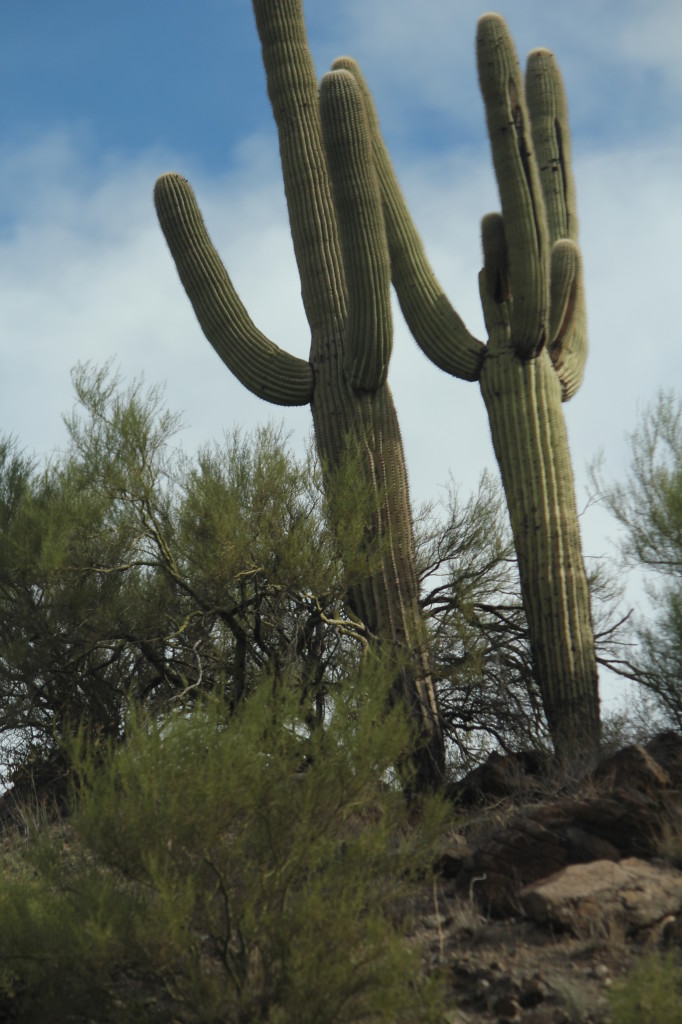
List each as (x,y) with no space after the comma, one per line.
(336,217)
(533,303)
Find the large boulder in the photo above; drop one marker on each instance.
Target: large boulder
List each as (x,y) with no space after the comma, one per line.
(606,899)
(621,811)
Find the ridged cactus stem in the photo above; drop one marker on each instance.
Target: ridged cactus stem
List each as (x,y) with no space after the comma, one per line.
(533,302)
(336,219)
(523,400)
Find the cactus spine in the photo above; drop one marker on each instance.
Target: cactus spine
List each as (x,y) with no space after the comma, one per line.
(532,297)
(336,217)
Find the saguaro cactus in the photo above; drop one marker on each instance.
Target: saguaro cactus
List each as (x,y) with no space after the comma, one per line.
(532,297)
(336,218)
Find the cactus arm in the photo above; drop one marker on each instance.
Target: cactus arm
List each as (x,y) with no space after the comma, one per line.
(568,327)
(548,110)
(357,200)
(518,181)
(262,367)
(435,325)
(293,91)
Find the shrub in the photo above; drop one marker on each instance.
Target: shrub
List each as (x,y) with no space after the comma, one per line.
(226,866)
(652,992)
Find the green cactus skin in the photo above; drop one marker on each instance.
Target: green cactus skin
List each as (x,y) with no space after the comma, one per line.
(336,218)
(533,303)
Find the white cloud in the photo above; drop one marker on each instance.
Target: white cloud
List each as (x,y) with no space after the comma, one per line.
(420,60)
(85,274)
(652,37)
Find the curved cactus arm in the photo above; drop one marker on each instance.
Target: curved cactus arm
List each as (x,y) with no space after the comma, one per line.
(344,380)
(548,110)
(357,200)
(258,363)
(518,181)
(435,325)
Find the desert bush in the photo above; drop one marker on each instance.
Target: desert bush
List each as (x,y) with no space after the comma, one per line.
(648,507)
(130,572)
(652,992)
(228,866)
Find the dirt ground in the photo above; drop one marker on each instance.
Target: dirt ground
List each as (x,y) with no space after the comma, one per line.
(516,970)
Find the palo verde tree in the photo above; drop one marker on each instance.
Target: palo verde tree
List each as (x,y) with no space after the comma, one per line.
(131,573)
(648,507)
(532,296)
(337,225)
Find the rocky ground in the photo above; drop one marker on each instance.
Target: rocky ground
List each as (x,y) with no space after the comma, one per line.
(542,903)
(548,893)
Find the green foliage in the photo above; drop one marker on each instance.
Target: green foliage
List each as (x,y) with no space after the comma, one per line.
(228,866)
(129,572)
(648,506)
(652,992)
(132,572)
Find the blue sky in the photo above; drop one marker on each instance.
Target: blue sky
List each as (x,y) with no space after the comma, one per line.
(100,97)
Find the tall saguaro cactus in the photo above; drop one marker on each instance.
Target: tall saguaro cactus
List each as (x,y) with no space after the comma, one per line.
(336,218)
(532,297)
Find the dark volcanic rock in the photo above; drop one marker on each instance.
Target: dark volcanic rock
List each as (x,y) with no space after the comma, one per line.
(621,811)
(501,775)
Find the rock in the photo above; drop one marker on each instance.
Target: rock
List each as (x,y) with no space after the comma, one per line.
(603,898)
(450,861)
(632,767)
(507,1008)
(533,992)
(624,823)
(666,749)
(519,854)
(623,810)
(501,775)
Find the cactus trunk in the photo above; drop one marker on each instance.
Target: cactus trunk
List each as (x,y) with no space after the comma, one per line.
(523,399)
(531,290)
(345,280)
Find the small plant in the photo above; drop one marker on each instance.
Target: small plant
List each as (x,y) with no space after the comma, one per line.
(651,993)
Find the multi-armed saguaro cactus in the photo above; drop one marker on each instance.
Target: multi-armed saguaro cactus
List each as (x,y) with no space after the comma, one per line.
(336,217)
(531,291)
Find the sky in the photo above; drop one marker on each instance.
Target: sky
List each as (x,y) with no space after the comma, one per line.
(99,97)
